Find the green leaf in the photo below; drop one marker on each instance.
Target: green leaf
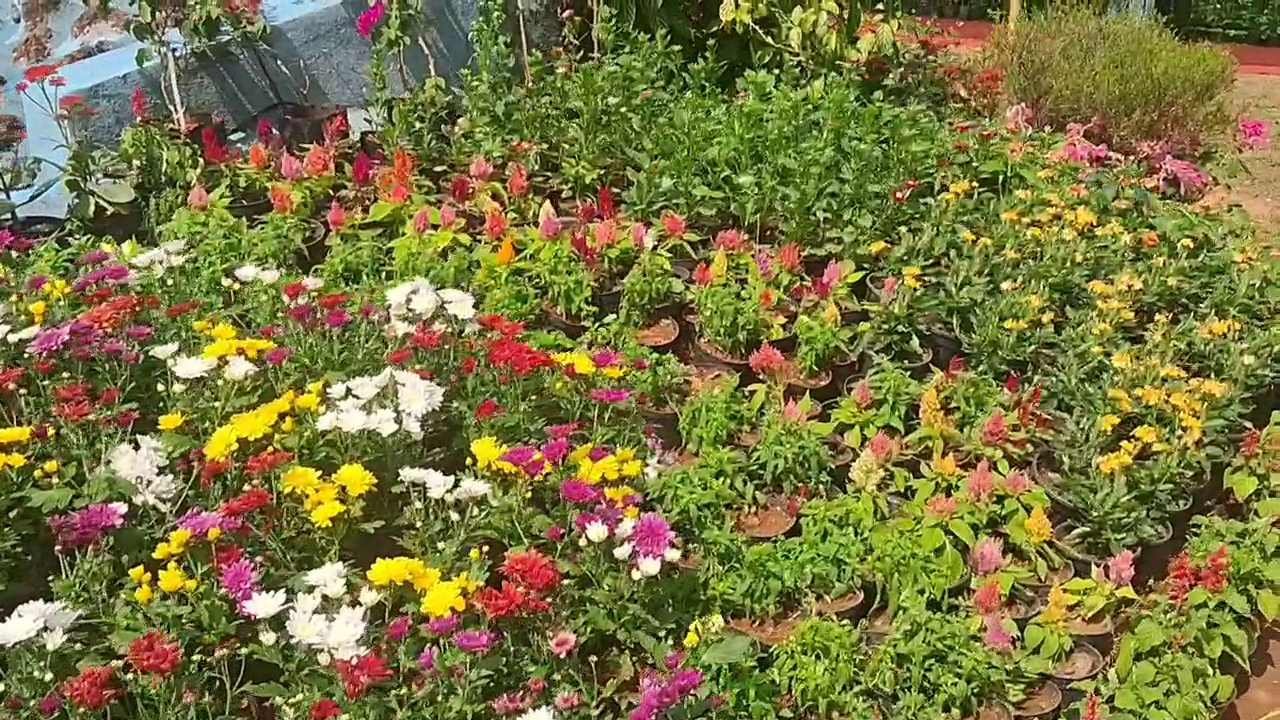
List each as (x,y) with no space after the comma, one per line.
(1124,657)
(1241,485)
(51,499)
(729,650)
(1144,672)
(961,529)
(267,689)
(1268,604)
(1032,637)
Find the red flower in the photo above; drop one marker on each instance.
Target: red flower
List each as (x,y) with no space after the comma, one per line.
(731,240)
(1248,444)
(1181,578)
(92,689)
(324,709)
(988,598)
(487,409)
(182,308)
(460,189)
(789,257)
(673,225)
(504,602)
(767,360)
(154,654)
(702,274)
(495,224)
(361,673)
(607,209)
(518,183)
(266,461)
(531,570)
(39,73)
(1214,575)
(248,501)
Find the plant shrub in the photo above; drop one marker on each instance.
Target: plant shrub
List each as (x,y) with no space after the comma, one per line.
(1071,65)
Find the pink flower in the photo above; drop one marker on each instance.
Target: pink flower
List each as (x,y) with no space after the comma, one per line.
(1017,482)
(886,292)
(1183,177)
(422,220)
(609,395)
(766,360)
(994,431)
(362,169)
(881,446)
(942,506)
(290,167)
(198,198)
(988,598)
(987,556)
(563,643)
(548,224)
(862,394)
(370,18)
(791,412)
(673,225)
(567,701)
(481,169)
(980,482)
(1254,134)
(1120,568)
(336,216)
(996,636)
(448,215)
(1019,118)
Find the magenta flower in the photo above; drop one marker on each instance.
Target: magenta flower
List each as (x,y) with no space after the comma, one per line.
(475,642)
(562,431)
(337,318)
(398,629)
(427,660)
(86,526)
(239,580)
(49,341)
(362,169)
(368,19)
(606,358)
(200,522)
(277,355)
(1254,134)
(579,492)
(556,451)
(444,626)
(609,395)
(996,635)
(987,556)
(563,643)
(652,535)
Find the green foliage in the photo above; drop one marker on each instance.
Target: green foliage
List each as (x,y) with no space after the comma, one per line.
(1072,65)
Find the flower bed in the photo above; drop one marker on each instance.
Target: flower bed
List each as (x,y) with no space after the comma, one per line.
(368,432)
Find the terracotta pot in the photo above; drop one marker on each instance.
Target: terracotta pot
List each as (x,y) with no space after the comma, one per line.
(1080,558)
(820,388)
(1056,576)
(1099,633)
(768,632)
(993,711)
(768,522)
(851,606)
(943,345)
(709,354)
(1041,702)
(1023,608)
(662,335)
(1082,663)
(841,461)
(879,622)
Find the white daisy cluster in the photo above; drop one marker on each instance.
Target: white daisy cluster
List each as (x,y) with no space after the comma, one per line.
(48,620)
(251,273)
(415,301)
(140,466)
(439,486)
(158,259)
(354,408)
(336,636)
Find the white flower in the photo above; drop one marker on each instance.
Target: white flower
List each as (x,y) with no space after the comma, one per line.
(461,305)
(625,528)
(649,566)
(267,638)
(596,531)
(247,273)
(23,335)
(672,555)
(238,368)
(270,276)
(54,615)
(623,551)
(342,636)
(417,396)
(307,629)
(190,367)
(383,422)
(349,420)
(18,628)
(369,597)
(437,484)
(312,283)
(262,605)
(367,386)
(329,579)
(140,466)
(308,603)
(470,489)
(163,352)
(54,639)
(543,713)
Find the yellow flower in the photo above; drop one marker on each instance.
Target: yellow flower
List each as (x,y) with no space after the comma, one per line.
(390,571)
(213,534)
(631,468)
(1146,434)
(355,479)
(961,187)
(286,425)
(1122,360)
(143,594)
(1038,527)
(606,468)
(171,421)
(1108,422)
(324,513)
(201,325)
(691,638)
(50,467)
(443,599)
(13,460)
(1113,463)
(300,480)
(325,492)
(911,276)
(1121,399)
(139,575)
(877,248)
(11,435)
(486,451)
(1016,325)
(474,553)
(307,401)
(945,466)
(173,579)
(1151,395)
(1192,429)
(37,310)
(55,288)
(222,331)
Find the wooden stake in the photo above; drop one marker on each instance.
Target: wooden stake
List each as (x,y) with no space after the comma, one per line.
(1015,9)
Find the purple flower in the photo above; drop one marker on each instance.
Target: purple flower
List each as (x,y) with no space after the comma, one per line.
(50,705)
(398,629)
(1254,134)
(556,450)
(444,626)
(605,358)
(50,341)
(764,264)
(86,526)
(995,635)
(93,257)
(658,694)
(609,395)
(579,492)
(475,642)
(239,580)
(277,355)
(370,18)
(427,660)
(139,332)
(987,556)
(652,535)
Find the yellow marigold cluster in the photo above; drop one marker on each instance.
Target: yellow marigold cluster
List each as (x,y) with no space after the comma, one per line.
(322,499)
(259,422)
(440,598)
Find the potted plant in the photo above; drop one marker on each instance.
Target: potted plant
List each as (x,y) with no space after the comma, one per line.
(650,292)
(736,311)
(821,341)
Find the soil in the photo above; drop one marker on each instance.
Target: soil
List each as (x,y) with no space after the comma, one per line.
(880,622)
(1258,189)
(767,632)
(765,523)
(1055,577)
(720,355)
(662,333)
(1083,662)
(1090,628)
(993,712)
(93,19)
(1024,609)
(1040,702)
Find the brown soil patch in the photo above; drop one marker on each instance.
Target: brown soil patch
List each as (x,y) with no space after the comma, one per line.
(1257,190)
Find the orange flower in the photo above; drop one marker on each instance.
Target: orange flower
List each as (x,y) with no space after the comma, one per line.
(259,156)
(506,252)
(318,161)
(281,198)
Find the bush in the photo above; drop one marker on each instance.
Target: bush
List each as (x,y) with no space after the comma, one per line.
(1071,65)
